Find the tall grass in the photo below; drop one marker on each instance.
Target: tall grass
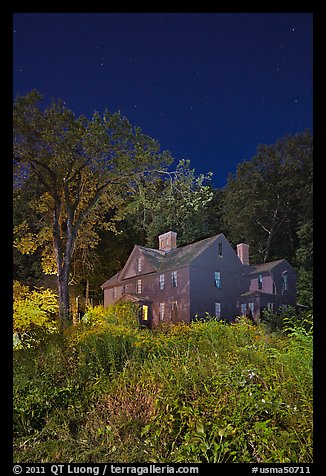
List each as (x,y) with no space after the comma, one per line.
(204,392)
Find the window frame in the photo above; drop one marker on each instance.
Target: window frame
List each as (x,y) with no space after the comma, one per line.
(139,264)
(161,281)
(218,310)
(139,286)
(260,280)
(145,311)
(161,311)
(217,279)
(174,279)
(285,281)
(174,310)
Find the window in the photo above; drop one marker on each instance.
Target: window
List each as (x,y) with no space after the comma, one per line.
(274,288)
(220,250)
(284,307)
(285,281)
(161,281)
(251,307)
(270,306)
(218,310)
(162,311)
(139,286)
(174,279)
(217,279)
(260,281)
(174,311)
(114,292)
(144,312)
(244,309)
(139,264)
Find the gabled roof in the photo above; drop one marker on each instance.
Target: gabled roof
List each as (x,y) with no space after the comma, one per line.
(111,281)
(256,292)
(162,261)
(131,297)
(155,257)
(184,255)
(261,268)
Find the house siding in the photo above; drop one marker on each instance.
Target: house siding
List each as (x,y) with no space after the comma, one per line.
(267,283)
(196,293)
(274,276)
(151,292)
(203,292)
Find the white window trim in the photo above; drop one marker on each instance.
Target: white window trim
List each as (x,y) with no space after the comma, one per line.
(174,279)
(139,285)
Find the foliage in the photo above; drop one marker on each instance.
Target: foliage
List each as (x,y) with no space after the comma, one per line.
(34,315)
(121,313)
(271,194)
(204,392)
(86,171)
(178,200)
(304,256)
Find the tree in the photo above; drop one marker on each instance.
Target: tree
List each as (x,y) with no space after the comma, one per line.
(264,201)
(86,170)
(304,256)
(177,200)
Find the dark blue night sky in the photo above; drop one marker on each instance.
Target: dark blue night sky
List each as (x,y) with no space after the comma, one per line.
(209,87)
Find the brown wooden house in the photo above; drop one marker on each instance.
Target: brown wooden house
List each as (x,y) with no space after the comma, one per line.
(174,284)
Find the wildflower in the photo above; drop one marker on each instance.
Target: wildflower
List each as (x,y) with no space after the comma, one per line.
(263,400)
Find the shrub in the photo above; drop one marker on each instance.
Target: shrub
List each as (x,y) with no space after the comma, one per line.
(122,313)
(204,392)
(34,315)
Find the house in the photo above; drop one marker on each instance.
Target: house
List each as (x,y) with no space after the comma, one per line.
(174,284)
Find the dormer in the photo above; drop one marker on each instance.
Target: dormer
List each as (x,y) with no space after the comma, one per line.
(167,241)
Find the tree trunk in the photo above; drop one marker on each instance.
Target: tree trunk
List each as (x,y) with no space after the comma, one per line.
(87,294)
(63,289)
(63,267)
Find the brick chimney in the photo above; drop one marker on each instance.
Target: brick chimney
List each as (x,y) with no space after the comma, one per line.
(167,241)
(243,253)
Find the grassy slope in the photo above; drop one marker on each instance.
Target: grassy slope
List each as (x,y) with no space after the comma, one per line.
(206,392)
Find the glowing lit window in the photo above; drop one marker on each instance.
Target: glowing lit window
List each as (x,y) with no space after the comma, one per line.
(145,312)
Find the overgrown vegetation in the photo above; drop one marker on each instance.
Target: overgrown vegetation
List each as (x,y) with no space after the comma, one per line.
(109,391)
(34,316)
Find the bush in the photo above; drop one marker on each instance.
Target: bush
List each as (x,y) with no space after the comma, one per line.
(124,314)
(34,315)
(203,392)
